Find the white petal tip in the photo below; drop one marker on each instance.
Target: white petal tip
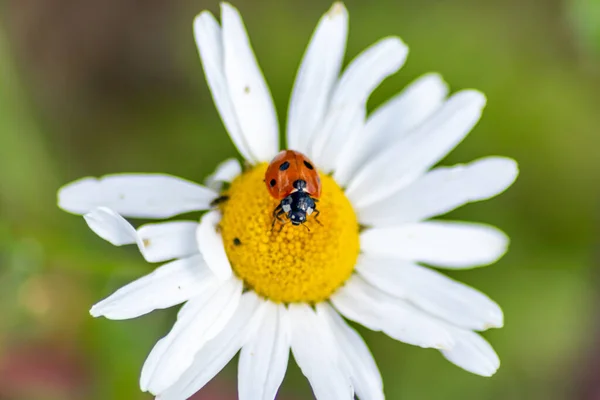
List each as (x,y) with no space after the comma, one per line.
(496,321)
(337,9)
(434,79)
(69,196)
(487,372)
(397,49)
(473,96)
(203,14)
(227,7)
(94,312)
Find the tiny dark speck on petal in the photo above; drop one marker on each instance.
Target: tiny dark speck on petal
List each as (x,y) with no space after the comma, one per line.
(237,241)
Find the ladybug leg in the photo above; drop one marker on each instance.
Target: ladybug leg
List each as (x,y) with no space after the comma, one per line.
(219,200)
(277,213)
(317,212)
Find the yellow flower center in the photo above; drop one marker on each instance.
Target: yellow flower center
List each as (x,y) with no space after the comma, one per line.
(288,263)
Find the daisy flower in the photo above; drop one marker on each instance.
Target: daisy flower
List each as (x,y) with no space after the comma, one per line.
(261,291)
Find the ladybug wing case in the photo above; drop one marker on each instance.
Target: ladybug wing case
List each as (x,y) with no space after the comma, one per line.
(278,176)
(310,175)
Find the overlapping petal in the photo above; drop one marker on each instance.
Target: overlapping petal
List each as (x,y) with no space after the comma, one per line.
(389,123)
(360,302)
(364,373)
(264,359)
(316,78)
(225,172)
(211,245)
(201,319)
(441,191)
(237,84)
(433,292)
(317,355)
(166,286)
(220,350)
(403,162)
(347,108)
(157,242)
(472,353)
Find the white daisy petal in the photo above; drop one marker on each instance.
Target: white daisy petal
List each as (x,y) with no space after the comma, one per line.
(442,190)
(248,90)
(210,46)
(211,246)
(391,122)
(227,171)
(360,302)
(157,242)
(166,286)
(111,227)
(366,378)
(217,352)
(433,292)
(316,77)
(202,318)
(349,98)
(317,356)
(403,162)
(135,195)
(168,240)
(264,359)
(442,244)
(472,353)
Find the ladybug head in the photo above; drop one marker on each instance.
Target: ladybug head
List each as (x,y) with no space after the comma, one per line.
(297,216)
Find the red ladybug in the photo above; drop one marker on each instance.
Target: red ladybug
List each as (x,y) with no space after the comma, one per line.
(292,178)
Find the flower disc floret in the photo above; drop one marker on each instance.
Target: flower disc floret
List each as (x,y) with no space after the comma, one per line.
(291,263)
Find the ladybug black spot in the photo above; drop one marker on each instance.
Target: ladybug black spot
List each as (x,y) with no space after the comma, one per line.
(308,165)
(273,182)
(237,241)
(285,165)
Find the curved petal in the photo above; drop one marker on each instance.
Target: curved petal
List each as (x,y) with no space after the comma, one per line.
(442,190)
(391,122)
(227,171)
(157,242)
(316,77)
(111,227)
(472,353)
(201,319)
(317,355)
(248,90)
(217,352)
(365,375)
(210,47)
(360,302)
(264,359)
(443,244)
(211,246)
(346,111)
(407,159)
(135,195)
(433,292)
(166,286)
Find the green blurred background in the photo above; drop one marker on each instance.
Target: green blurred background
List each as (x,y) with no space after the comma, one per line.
(96,87)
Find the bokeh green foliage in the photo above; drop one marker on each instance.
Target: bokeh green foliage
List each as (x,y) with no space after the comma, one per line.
(531,59)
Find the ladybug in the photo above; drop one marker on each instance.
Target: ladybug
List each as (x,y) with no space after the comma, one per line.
(292,178)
